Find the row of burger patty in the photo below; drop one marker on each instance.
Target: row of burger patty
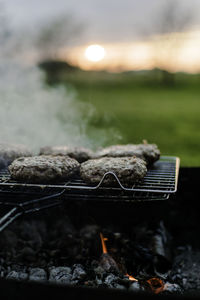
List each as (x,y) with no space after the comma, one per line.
(60,163)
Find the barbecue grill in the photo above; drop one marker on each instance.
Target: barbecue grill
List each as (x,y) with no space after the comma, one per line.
(180,215)
(18,198)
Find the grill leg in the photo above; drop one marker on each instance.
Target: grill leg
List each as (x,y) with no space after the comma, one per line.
(29,206)
(9,217)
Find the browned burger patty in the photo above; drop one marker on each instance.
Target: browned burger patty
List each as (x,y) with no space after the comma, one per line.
(43,168)
(9,152)
(149,152)
(127,169)
(81,154)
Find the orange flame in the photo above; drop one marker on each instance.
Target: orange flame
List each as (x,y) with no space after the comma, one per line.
(103,239)
(131,277)
(105,251)
(156,285)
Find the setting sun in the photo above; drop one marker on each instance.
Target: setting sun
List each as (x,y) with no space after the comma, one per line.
(95,53)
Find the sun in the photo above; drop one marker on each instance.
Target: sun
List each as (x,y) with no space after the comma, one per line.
(95,53)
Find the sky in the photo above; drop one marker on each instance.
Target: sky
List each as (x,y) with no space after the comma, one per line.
(105,20)
(115,24)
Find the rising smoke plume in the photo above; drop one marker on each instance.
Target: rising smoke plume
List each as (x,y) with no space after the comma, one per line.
(34,114)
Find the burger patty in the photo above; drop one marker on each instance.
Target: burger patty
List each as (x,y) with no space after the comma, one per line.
(127,169)
(9,152)
(44,168)
(149,152)
(81,154)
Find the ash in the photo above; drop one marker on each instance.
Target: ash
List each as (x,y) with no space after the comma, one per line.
(186,268)
(39,249)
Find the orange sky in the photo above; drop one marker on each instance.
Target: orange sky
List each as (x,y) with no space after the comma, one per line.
(175,52)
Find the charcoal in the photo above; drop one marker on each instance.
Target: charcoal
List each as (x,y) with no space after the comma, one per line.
(135,287)
(2,273)
(17,275)
(113,281)
(60,252)
(23,276)
(119,286)
(172,288)
(108,263)
(89,231)
(8,269)
(60,275)
(98,281)
(19,268)
(91,283)
(37,274)
(99,271)
(187,266)
(13,275)
(161,247)
(110,280)
(152,252)
(125,280)
(79,272)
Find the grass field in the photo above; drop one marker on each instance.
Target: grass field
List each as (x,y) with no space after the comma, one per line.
(140,107)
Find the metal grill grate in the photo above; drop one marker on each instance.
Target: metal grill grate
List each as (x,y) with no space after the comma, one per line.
(161,178)
(22,198)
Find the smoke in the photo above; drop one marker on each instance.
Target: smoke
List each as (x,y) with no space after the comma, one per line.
(34,114)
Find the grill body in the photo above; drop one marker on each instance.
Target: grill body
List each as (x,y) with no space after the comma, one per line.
(184,203)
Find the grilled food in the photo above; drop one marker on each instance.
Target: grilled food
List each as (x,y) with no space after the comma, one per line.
(81,154)
(127,169)
(44,168)
(149,152)
(9,152)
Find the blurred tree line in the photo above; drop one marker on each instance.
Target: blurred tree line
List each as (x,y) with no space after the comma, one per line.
(170,19)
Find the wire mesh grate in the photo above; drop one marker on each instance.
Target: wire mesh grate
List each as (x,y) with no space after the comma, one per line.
(161,178)
(18,198)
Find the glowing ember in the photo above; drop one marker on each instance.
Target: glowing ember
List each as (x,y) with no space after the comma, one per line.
(156,285)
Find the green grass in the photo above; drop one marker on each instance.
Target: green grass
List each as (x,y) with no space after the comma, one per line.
(139,107)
